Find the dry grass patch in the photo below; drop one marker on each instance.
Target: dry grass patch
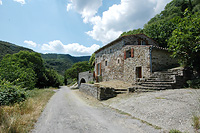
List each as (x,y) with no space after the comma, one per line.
(21,117)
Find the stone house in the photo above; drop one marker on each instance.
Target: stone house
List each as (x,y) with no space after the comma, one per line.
(130,58)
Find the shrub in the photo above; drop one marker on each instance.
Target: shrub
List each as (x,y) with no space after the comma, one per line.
(10,94)
(195,83)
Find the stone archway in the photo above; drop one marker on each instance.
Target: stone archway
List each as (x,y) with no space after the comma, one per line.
(82,81)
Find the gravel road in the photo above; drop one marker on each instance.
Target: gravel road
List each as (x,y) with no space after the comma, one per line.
(168,109)
(69,112)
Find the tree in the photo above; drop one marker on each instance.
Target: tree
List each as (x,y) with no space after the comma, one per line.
(72,73)
(161,31)
(185,41)
(92,61)
(12,71)
(135,31)
(24,68)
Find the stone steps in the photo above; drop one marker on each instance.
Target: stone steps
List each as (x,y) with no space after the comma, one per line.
(160,80)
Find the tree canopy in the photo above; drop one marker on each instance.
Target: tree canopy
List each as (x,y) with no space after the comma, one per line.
(185,41)
(161,26)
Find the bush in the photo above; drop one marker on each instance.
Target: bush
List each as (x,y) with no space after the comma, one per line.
(10,94)
(195,83)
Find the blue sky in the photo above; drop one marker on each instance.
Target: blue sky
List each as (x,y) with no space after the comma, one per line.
(76,27)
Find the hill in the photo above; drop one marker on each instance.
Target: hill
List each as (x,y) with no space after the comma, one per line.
(59,62)
(62,62)
(9,48)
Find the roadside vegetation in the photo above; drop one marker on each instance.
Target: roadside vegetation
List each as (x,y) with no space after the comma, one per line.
(21,117)
(20,103)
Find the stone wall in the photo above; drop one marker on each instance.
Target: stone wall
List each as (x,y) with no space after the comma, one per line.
(100,93)
(89,89)
(141,59)
(161,60)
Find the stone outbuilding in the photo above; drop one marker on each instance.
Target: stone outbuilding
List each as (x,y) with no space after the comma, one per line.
(130,58)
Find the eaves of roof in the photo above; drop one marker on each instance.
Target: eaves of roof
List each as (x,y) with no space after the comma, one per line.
(119,39)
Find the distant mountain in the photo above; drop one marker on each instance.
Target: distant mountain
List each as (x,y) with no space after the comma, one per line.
(9,48)
(59,62)
(62,62)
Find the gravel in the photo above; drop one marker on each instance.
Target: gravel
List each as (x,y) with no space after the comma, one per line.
(168,109)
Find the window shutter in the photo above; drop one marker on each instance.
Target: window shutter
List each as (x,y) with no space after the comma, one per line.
(132,52)
(139,42)
(100,69)
(124,55)
(96,69)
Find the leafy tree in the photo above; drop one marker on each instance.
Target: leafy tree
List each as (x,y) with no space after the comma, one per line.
(12,71)
(10,94)
(53,78)
(92,60)
(185,41)
(135,31)
(161,26)
(161,31)
(72,73)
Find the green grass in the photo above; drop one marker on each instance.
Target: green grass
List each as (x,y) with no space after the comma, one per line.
(174,131)
(21,117)
(160,98)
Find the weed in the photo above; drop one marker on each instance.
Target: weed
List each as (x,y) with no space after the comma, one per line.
(196,122)
(160,98)
(174,131)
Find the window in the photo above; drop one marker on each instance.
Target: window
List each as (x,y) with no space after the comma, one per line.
(129,53)
(110,50)
(118,61)
(106,63)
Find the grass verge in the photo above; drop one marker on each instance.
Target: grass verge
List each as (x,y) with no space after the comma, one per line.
(21,117)
(196,122)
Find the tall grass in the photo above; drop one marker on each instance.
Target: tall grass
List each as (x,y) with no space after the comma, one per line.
(21,117)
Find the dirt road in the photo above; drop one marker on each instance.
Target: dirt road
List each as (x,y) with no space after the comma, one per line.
(67,112)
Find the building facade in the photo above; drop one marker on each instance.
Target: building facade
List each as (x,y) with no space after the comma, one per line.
(130,58)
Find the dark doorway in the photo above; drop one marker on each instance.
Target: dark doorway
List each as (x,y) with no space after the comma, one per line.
(82,81)
(138,72)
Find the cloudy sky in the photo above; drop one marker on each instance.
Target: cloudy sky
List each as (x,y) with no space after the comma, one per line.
(76,27)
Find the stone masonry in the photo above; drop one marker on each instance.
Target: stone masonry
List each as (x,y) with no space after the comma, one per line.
(130,58)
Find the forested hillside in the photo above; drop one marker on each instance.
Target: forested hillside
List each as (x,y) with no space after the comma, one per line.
(161,26)
(9,48)
(58,62)
(61,62)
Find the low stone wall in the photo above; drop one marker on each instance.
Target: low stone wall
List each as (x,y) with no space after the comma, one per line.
(98,92)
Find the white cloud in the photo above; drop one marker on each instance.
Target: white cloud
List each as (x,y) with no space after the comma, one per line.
(87,8)
(1,2)
(76,49)
(20,1)
(31,43)
(128,15)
